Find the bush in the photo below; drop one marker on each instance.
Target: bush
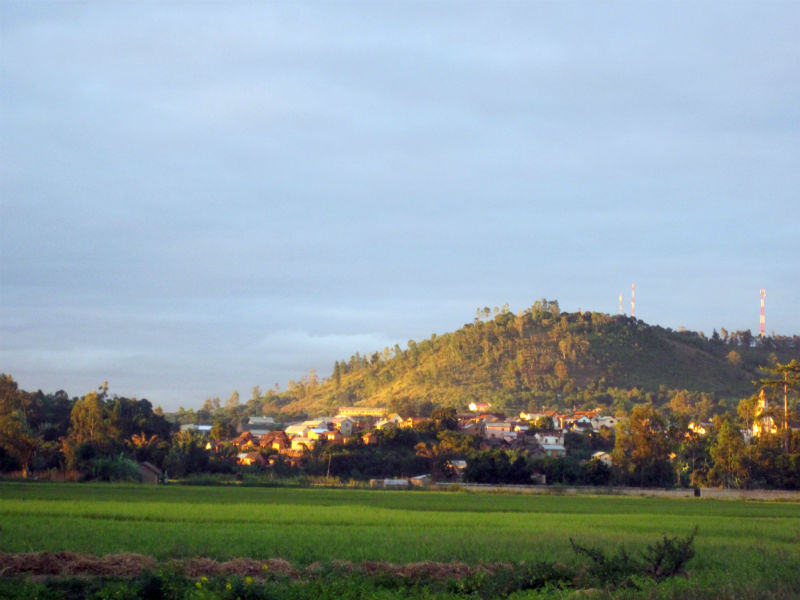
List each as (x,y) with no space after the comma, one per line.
(658,561)
(115,468)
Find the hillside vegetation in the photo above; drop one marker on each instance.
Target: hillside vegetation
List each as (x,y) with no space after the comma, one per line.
(539,358)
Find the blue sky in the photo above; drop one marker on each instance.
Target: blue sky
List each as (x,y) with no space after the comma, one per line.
(202,197)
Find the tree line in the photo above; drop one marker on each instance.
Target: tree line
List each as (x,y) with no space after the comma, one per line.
(103,436)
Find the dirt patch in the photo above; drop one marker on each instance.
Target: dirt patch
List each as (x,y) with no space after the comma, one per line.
(34,564)
(70,563)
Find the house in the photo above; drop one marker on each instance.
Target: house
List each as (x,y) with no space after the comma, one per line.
(554,450)
(421,481)
(317,434)
(275,440)
(302,443)
(550,437)
(479,406)
(245,441)
(344,425)
(605,421)
(333,437)
(764,422)
(259,425)
(499,429)
(248,459)
(151,473)
(198,428)
(362,411)
(389,483)
(301,429)
(394,419)
(369,438)
(581,422)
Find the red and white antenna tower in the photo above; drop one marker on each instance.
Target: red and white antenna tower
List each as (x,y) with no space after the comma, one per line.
(620,304)
(633,300)
(763,322)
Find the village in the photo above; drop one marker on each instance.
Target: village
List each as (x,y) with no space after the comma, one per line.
(538,434)
(262,442)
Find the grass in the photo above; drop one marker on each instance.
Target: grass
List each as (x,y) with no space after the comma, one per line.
(742,547)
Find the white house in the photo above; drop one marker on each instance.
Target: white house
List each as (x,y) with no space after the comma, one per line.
(344,425)
(554,438)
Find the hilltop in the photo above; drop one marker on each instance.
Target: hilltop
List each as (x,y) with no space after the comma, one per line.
(543,357)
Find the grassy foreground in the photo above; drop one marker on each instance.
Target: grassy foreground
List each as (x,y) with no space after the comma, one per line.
(743,549)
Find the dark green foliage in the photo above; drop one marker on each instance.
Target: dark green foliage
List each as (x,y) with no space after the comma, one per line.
(668,557)
(658,561)
(497,466)
(115,468)
(515,578)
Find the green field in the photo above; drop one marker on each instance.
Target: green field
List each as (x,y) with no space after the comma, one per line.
(744,549)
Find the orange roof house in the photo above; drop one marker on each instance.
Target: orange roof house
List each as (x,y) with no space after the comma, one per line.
(245,441)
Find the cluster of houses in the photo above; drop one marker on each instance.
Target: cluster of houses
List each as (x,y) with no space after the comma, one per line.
(260,438)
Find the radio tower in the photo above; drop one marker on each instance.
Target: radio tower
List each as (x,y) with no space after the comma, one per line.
(633,300)
(762,323)
(620,304)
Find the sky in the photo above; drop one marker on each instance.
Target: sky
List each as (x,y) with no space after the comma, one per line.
(202,197)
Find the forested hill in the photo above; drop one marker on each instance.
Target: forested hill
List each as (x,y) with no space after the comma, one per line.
(544,358)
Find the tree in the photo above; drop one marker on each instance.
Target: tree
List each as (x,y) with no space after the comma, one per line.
(233,401)
(748,410)
(17,439)
(784,377)
(693,459)
(445,419)
(734,358)
(222,430)
(727,452)
(88,422)
(642,448)
(438,456)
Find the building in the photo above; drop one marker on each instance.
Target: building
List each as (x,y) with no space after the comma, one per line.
(362,411)
(763,422)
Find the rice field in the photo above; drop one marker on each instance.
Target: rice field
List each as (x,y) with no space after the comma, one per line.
(745,548)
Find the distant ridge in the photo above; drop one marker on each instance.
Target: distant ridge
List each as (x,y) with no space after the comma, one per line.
(543,357)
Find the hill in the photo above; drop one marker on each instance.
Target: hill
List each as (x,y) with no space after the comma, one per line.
(544,358)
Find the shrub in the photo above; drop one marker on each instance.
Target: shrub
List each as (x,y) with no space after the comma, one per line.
(115,468)
(662,559)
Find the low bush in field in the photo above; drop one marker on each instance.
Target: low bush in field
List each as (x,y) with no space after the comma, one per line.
(660,560)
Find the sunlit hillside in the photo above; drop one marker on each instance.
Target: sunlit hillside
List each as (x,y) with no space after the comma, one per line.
(543,357)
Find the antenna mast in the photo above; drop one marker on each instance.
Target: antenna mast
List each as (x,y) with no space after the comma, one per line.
(762,323)
(633,300)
